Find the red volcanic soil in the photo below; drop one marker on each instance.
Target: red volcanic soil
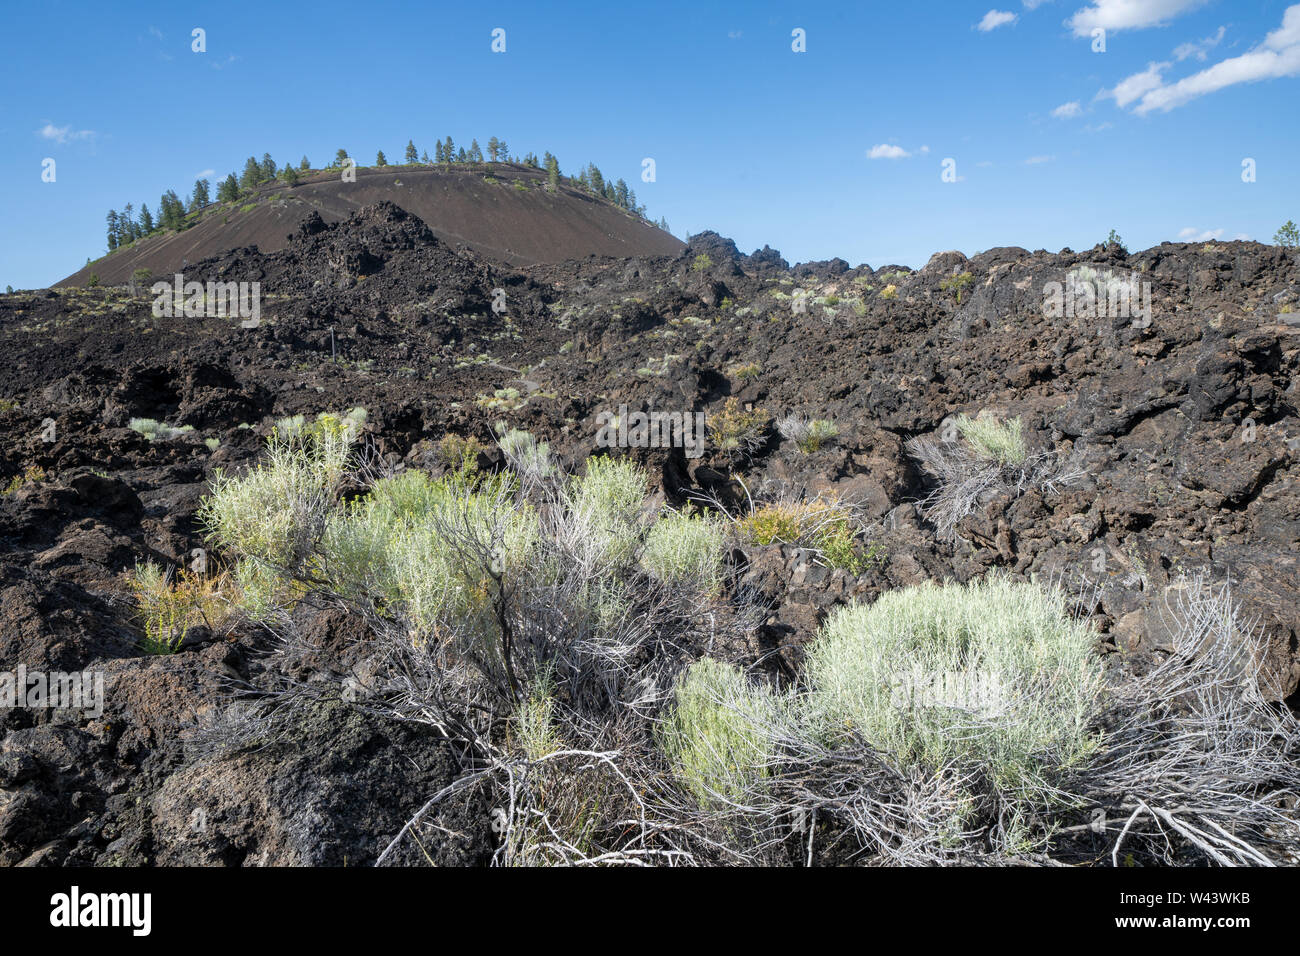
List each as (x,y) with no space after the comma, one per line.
(513,220)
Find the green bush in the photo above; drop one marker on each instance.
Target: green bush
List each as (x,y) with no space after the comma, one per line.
(393,545)
(155,430)
(713,735)
(994,440)
(273,513)
(992,677)
(606,504)
(531,458)
(684,550)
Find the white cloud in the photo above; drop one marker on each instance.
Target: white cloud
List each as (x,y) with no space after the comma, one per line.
(994,19)
(1277,56)
(1038,160)
(886,151)
(1200,48)
(1033,4)
(1115,15)
(734,34)
(1137,85)
(924,150)
(1192,234)
(205,174)
(63,134)
(1067,110)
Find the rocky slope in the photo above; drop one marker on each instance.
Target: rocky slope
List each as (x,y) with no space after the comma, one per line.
(1185,434)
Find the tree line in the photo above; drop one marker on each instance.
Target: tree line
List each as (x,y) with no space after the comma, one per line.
(175,214)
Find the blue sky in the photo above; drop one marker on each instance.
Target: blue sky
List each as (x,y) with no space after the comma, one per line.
(835,151)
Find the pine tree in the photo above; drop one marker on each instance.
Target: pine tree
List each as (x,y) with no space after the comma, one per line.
(199,198)
(251,175)
(494,149)
(449,150)
(503,151)
(126,225)
(424,157)
(380,160)
(621,194)
(146,219)
(228,189)
(438,154)
(289,175)
(462,156)
(304,165)
(268,167)
(412,156)
(112,229)
(172,210)
(341,158)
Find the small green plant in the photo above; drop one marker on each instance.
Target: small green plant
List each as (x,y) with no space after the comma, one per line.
(702,262)
(1114,242)
(154,430)
(840,549)
(737,432)
(168,608)
(809,436)
(889,292)
(956,284)
(1288,237)
(745,373)
(212,443)
(501,399)
(791,522)
(534,726)
(684,550)
(30,476)
(460,453)
(710,735)
(530,457)
(992,439)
